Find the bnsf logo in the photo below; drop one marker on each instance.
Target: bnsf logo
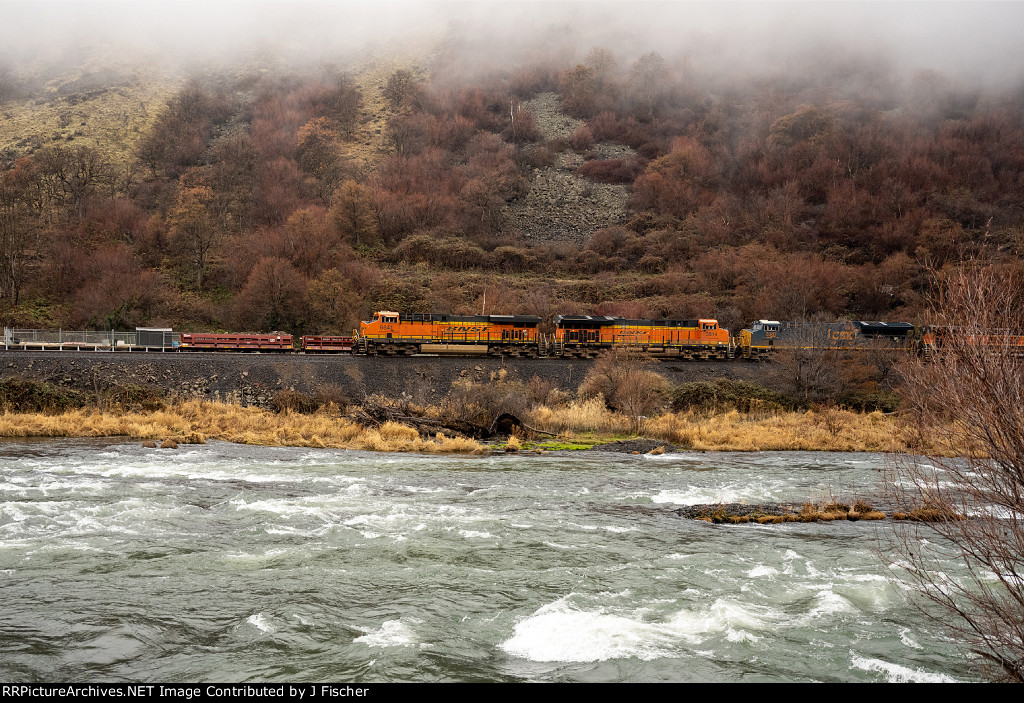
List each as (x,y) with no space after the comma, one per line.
(471,328)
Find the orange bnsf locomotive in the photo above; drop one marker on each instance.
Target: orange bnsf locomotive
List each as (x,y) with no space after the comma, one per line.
(394,333)
(585,335)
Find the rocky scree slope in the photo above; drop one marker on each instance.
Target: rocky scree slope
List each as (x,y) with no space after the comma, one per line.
(562,206)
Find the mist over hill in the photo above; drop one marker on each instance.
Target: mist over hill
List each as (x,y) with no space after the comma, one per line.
(978,41)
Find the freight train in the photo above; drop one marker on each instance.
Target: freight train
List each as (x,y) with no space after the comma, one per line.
(574,336)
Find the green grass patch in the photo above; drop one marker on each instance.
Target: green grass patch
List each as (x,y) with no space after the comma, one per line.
(562,445)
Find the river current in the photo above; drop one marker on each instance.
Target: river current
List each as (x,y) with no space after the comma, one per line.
(227,563)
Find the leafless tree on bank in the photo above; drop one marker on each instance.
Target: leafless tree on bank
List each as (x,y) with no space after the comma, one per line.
(624,378)
(807,366)
(967,401)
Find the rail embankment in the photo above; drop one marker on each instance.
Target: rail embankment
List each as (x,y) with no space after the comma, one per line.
(412,404)
(254,379)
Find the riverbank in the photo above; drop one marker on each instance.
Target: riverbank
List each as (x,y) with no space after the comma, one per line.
(575,425)
(255,379)
(194,422)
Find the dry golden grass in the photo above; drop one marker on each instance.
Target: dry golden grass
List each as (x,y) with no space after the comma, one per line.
(734,431)
(194,422)
(838,430)
(931,511)
(808,512)
(586,416)
(113,119)
(197,421)
(367,142)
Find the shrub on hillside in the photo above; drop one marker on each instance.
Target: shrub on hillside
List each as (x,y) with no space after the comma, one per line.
(295,401)
(613,170)
(869,400)
(724,394)
(624,379)
(27,396)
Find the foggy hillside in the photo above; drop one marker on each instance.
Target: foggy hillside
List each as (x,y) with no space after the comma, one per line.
(296,166)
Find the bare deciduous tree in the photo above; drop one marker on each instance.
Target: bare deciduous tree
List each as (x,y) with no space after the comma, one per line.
(19,230)
(624,377)
(402,91)
(352,214)
(967,402)
(807,364)
(193,231)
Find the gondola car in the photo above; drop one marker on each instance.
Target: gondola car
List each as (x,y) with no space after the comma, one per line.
(765,337)
(235,342)
(393,333)
(585,335)
(327,344)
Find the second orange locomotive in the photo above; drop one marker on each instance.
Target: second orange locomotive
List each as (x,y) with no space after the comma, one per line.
(585,335)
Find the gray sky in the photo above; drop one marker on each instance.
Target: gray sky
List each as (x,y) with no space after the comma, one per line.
(979,41)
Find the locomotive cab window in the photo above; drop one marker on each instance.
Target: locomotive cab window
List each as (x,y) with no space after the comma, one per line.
(391,320)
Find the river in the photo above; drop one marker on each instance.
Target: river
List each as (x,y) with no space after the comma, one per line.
(228,563)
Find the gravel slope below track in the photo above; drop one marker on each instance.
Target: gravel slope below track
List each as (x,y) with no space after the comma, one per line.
(255,378)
